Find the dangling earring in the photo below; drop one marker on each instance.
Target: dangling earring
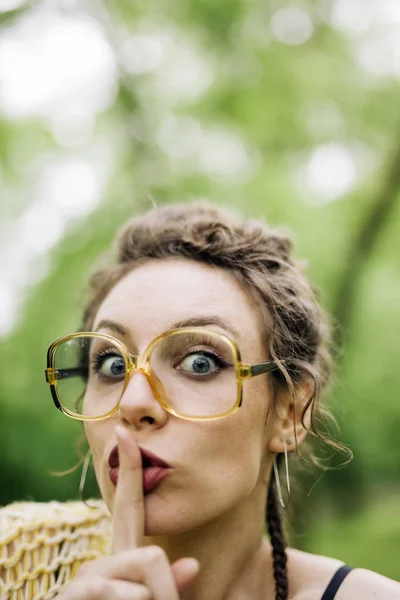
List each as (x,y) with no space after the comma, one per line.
(82,482)
(278,484)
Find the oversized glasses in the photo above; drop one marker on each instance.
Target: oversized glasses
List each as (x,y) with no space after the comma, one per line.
(194,373)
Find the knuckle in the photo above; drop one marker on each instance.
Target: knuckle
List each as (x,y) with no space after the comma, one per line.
(95,588)
(144,594)
(86,589)
(105,589)
(85,569)
(154,555)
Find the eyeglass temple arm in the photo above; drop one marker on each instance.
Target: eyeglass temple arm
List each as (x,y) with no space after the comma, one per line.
(263,367)
(53,374)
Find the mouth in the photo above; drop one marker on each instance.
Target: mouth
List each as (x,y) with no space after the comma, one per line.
(154,468)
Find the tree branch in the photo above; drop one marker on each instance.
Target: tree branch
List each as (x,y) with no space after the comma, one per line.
(364,243)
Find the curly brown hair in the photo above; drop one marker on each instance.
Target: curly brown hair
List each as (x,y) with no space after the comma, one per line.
(260,257)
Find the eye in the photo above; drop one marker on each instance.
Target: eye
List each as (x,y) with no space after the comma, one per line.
(199,363)
(109,365)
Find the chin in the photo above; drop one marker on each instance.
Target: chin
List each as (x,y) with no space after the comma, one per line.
(167,516)
(164,516)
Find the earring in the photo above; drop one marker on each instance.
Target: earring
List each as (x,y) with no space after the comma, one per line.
(82,482)
(278,484)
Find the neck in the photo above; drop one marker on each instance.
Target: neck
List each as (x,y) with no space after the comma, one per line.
(234,555)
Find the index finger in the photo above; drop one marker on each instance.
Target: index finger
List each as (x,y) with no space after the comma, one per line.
(128,512)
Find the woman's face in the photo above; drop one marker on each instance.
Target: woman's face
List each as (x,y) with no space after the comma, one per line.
(217,465)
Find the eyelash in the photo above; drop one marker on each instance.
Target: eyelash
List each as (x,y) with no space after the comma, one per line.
(221,363)
(97,357)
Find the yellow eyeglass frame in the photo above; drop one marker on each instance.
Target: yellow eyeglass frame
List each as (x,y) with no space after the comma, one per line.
(141,362)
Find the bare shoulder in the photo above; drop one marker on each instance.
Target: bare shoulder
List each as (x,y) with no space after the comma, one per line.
(362,584)
(310,574)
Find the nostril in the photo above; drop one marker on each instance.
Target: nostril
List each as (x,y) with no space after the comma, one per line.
(147,419)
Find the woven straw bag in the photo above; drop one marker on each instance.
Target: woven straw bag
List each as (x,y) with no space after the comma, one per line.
(42,545)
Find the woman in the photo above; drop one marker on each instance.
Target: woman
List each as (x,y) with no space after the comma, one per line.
(209,353)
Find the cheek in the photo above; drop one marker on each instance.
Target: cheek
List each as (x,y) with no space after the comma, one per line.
(248,441)
(98,435)
(233,449)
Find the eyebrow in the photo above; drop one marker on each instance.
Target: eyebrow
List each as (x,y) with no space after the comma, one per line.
(200,321)
(205,320)
(114,326)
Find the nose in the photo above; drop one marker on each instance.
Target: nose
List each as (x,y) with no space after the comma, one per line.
(139,406)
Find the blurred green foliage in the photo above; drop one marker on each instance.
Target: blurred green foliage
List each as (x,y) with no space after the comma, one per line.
(282,101)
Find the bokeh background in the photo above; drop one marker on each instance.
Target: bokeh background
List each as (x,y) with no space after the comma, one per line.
(286,109)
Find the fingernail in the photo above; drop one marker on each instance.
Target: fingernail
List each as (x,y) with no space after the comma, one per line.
(194,564)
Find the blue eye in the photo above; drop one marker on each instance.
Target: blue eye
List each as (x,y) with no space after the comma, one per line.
(199,363)
(109,365)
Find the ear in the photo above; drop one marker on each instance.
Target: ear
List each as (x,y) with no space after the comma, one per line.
(285,423)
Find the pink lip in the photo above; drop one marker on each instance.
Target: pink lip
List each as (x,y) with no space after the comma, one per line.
(147,457)
(151,477)
(154,468)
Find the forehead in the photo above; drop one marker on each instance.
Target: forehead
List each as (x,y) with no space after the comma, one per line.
(159,293)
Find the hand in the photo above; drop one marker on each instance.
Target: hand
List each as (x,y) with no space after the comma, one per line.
(133,572)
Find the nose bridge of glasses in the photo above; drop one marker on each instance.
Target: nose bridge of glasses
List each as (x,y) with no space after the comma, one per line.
(137,363)
(140,364)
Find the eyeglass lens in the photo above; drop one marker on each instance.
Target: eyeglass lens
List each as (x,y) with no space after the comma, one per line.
(193,372)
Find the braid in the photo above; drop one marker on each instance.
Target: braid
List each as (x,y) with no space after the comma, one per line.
(278,544)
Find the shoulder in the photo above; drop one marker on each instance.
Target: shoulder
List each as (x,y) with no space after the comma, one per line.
(310,574)
(362,584)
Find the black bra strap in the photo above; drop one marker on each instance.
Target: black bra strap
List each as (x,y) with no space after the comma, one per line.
(336,582)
